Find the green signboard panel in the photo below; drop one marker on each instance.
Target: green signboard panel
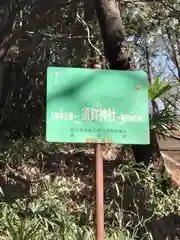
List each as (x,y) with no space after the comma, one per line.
(97,106)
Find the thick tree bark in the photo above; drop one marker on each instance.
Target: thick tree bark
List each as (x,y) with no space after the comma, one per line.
(113,34)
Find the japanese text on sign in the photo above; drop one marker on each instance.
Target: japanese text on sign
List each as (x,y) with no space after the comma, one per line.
(87,105)
(96,114)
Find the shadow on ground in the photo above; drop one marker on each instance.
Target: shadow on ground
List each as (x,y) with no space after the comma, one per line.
(122,191)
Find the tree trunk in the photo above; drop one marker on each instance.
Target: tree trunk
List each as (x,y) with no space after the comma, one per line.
(174,53)
(113,34)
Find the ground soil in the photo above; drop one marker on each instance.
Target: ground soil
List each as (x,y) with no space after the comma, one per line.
(171,149)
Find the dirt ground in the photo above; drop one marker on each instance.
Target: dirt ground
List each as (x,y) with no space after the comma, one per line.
(171,154)
(171,147)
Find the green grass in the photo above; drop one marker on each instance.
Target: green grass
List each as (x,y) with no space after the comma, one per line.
(64,209)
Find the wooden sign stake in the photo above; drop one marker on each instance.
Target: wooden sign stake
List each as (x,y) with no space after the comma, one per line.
(99,187)
(99,193)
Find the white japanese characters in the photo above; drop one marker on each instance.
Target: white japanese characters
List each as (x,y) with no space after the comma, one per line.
(62,115)
(96,114)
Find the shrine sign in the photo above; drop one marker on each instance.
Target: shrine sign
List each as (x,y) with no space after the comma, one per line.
(97,106)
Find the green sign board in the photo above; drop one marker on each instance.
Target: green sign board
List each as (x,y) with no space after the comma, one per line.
(97,106)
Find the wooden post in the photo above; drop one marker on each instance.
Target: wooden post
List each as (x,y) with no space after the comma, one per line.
(99,193)
(99,168)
